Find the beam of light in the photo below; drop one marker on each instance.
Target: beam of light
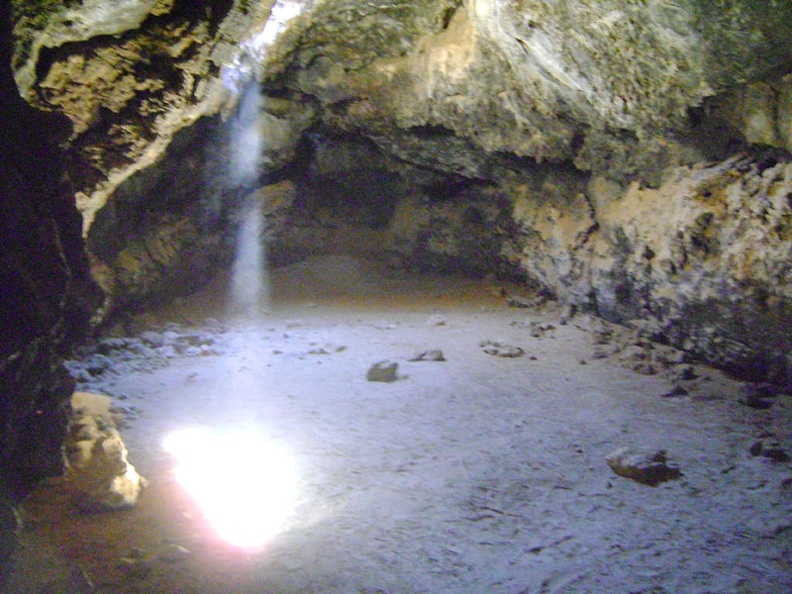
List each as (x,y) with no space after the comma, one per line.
(245,485)
(246,138)
(280,14)
(250,290)
(245,66)
(249,280)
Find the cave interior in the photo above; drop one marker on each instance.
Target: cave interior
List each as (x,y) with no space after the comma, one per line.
(435,296)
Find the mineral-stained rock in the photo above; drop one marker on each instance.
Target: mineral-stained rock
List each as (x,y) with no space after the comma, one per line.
(540,329)
(555,140)
(649,469)
(383,371)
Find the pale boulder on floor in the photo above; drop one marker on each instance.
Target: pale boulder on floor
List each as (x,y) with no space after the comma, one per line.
(97,459)
(643,467)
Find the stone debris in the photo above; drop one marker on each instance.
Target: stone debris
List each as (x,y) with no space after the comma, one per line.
(676,391)
(430,355)
(107,356)
(569,312)
(498,349)
(758,395)
(648,469)
(520,302)
(539,329)
(686,373)
(771,450)
(96,457)
(383,371)
(602,336)
(436,320)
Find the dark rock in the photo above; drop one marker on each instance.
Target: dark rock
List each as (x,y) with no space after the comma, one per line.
(686,373)
(756,448)
(97,364)
(436,320)
(600,354)
(107,345)
(677,390)
(772,450)
(603,336)
(644,368)
(196,340)
(520,302)
(569,312)
(757,395)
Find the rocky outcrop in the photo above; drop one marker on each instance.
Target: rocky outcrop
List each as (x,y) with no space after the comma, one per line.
(589,148)
(599,84)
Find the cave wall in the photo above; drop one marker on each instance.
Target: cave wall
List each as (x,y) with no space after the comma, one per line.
(634,156)
(629,158)
(47,292)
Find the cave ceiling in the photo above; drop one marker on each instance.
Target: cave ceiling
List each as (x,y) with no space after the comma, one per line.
(605,85)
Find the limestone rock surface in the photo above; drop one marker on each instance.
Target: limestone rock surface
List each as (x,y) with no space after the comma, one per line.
(97,459)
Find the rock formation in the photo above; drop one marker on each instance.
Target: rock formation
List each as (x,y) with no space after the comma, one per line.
(631,158)
(47,294)
(99,473)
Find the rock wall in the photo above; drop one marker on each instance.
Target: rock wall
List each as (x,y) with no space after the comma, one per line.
(617,154)
(620,150)
(47,293)
(703,258)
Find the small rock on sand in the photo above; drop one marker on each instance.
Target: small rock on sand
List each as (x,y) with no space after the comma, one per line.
(383,371)
(648,469)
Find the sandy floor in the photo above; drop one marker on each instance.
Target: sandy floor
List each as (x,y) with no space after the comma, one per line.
(477,474)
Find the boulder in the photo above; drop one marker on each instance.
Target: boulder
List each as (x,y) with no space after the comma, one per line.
(97,460)
(645,468)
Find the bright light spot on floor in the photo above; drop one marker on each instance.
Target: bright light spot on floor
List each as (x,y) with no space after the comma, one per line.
(245,485)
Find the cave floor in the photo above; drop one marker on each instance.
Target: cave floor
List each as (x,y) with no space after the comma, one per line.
(475,474)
